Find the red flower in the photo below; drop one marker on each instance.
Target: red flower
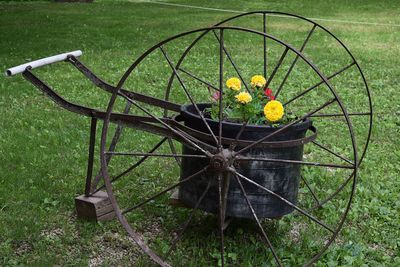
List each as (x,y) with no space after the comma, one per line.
(268,92)
(216,96)
(271,97)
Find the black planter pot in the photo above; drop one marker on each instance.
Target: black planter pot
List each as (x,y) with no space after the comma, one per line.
(281,178)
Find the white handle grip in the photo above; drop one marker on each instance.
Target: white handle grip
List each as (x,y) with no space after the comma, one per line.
(42,62)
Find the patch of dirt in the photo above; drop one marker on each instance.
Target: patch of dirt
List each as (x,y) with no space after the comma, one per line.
(378,247)
(112,249)
(152,229)
(52,234)
(294,233)
(22,248)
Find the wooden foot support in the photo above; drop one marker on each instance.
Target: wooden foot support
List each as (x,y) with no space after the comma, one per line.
(95,207)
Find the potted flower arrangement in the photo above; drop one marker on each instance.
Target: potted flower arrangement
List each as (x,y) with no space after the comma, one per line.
(256,106)
(260,114)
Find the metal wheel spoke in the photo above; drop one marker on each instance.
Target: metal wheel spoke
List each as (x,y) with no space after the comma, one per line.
(186,224)
(161,155)
(311,191)
(235,142)
(265,44)
(221,217)
(136,164)
(112,146)
(271,77)
(296,162)
(332,152)
(166,190)
(194,139)
(295,60)
(199,79)
(284,200)
(342,115)
(173,150)
(318,84)
(225,190)
(284,127)
(232,62)
(188,94)
(221,82)
(341,187)
(166,125)
(258,222)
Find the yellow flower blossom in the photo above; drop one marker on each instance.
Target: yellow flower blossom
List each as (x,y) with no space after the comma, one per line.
(234,83)
(273,111)
(258,81)
(243,97)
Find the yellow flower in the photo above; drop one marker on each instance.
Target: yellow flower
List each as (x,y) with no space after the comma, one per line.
(234,83)
(258,81)
(243,97)
(273,111)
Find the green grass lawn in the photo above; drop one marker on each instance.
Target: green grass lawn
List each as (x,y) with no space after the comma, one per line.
(43,148)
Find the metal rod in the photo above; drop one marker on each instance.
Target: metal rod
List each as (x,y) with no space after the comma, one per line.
(129,120)
(235,142)
(113,179)
(284,127)
(112,146)
(225,190)
(186,224)
(309,189)
(277,66)
(341,115)
(296,162)
(232,62)
(284,200)
(341,187)
(166,125)
(188,95)
(198,79)
(295,60)
(173,150)
(318,84)
(265,44)
(221,82)
(258,221)
(92,142)
(166,190)
(155,155)
(194,139)
(109,88)
(333,153)
(221,219)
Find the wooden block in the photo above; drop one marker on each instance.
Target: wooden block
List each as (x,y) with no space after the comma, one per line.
(95,207)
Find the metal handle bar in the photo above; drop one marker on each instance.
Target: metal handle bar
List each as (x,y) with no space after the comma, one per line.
(41,62)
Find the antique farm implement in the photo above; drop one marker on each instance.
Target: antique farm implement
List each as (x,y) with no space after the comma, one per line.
(233,170)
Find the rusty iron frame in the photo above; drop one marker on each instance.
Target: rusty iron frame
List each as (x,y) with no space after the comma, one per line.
(210,145)
(220,152)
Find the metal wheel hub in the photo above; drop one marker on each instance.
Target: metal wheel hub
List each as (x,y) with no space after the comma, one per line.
(222,160)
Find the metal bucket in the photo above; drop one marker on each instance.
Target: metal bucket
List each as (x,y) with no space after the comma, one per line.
(281,178)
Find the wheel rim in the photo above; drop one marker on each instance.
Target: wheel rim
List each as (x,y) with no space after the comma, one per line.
(104,164)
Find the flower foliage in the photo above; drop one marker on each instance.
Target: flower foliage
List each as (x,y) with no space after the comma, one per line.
(257,105)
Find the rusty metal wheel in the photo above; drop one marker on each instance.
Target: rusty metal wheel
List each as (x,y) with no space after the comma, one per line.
(220,155)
